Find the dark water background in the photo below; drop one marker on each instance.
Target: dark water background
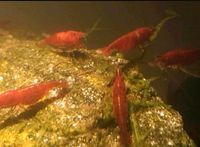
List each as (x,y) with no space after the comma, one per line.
(118,18)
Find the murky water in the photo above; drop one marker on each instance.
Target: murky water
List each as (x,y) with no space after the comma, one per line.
(175,87)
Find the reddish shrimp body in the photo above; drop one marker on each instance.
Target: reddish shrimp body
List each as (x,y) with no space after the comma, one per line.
(178,57)
(67,39)
(28,95)
(127,42)
(120,107)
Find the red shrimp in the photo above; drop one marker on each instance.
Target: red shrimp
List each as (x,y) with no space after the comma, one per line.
(28,95)
(127,42)
(67,40)
(120,107)
(178,57)
(135,38)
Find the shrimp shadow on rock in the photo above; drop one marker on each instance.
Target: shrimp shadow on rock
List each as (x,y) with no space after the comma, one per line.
(29,112)
(74,54)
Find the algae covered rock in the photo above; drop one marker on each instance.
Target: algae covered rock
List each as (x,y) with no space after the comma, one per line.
(82,117)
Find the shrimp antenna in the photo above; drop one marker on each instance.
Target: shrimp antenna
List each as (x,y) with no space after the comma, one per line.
(94,26)
(190,73)
(171,14)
